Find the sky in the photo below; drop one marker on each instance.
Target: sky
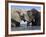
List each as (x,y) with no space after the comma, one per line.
(27,7)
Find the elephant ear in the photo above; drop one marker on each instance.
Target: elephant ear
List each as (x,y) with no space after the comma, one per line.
(30,15)
(15,15)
